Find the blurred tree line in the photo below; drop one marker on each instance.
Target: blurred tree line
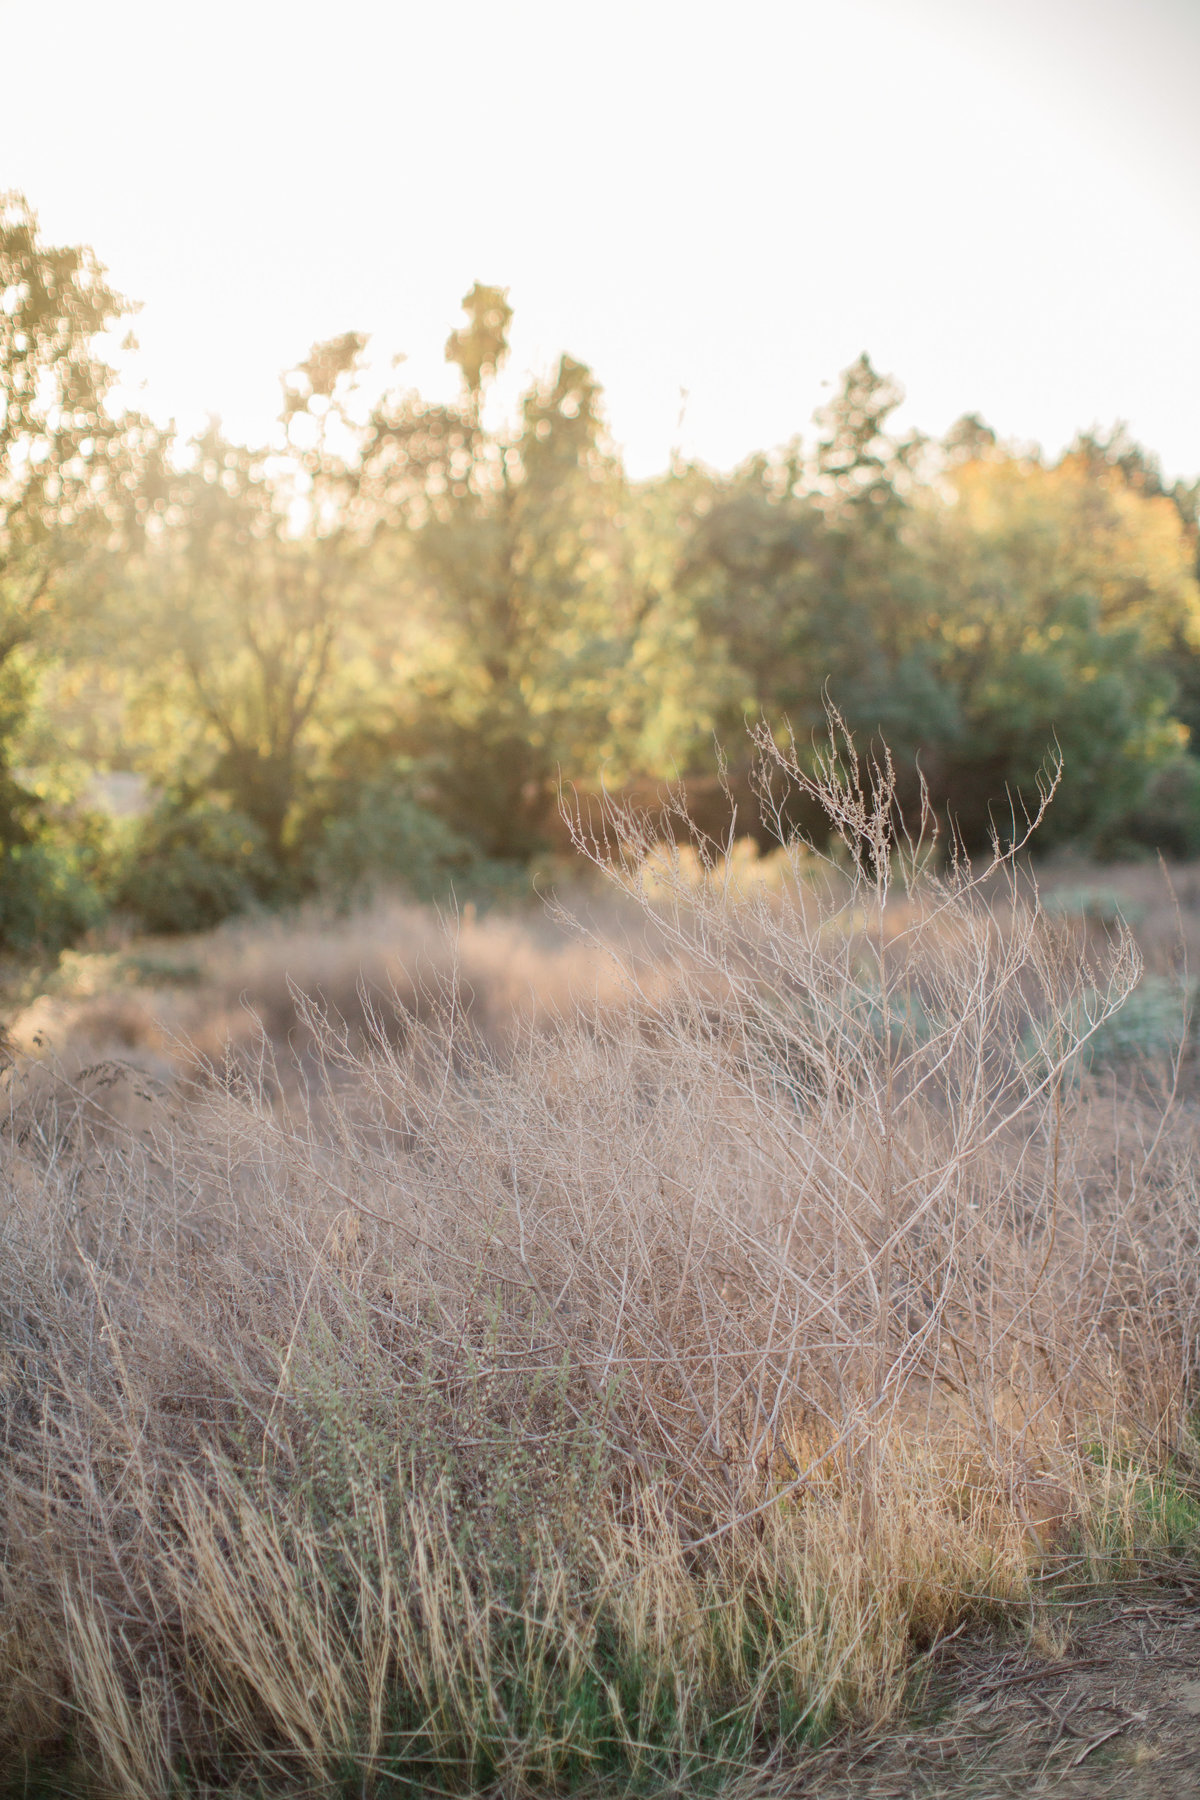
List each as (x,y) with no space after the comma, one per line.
(370,650)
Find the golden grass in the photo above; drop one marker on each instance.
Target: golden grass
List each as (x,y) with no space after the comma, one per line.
(610,1390)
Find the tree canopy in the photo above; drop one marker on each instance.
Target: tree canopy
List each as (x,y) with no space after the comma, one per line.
(382,639)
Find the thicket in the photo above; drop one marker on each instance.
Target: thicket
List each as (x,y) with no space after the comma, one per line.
(368,651)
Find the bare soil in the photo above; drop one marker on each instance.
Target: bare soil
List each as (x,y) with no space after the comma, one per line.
(1116,1713)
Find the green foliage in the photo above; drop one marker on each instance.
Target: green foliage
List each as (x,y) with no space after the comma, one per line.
(1150,1027)
(52,859)
(1166,817)
(1155,1509)
(48,898)
(551,1670)
(520,568)
(805,577)
(57,468)
(385,838)
(1170,1513)
(499,607)
(1052,590)
(189,867)
(60,482)
(1085,696)
(242,620)
(1021,615)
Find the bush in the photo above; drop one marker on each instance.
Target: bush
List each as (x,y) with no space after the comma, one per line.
(49,894)
(1166,819)
(190,867)
(1095,905)
(388,839)
(48,898)
(1150,1027)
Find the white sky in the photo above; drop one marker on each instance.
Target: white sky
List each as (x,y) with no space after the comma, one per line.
(998,199)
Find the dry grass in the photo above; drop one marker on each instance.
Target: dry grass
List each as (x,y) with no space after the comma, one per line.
(609,1390)
(163,1005)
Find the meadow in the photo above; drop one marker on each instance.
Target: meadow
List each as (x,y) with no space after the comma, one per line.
(602,1349)
(530,1265)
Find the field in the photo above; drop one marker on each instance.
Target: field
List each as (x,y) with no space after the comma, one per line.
(512,1355)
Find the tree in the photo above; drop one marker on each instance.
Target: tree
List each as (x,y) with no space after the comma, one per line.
(858,459)
(515,553)
(972,610)
(247,593)
(801,573)
(1117,453)
(1054,595)
(60,481)
(480,347)
(55,430)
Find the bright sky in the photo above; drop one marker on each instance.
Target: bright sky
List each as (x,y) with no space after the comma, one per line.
(998,199)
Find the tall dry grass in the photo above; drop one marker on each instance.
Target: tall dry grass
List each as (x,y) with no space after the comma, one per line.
(164,1003)
(617,1398)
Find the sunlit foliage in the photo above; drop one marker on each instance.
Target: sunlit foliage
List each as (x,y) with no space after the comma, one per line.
(375,646)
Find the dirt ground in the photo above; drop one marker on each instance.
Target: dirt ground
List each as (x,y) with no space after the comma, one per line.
(1116,1712)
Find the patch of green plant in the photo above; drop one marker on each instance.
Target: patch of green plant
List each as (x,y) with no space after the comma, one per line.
(782,1032)
(188,867)
(1165,819)
(599,1712)
(905,1020)
(48,898)
(1171,1513)
(498,1454)
(503,1491)
(1150,1026)
(1097,904)
(380,836)
(1147,1514)
(149,968)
